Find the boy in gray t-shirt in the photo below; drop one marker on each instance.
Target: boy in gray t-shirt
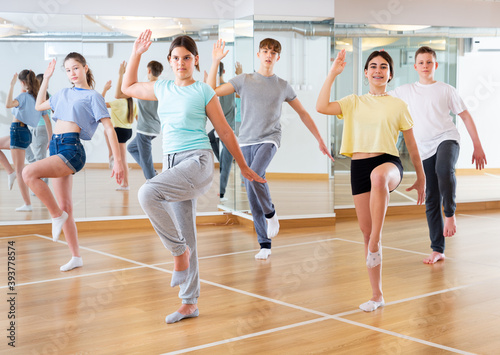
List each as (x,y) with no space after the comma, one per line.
(262,95)
(148,127)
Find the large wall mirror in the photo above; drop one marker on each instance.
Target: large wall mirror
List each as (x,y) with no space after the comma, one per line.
(467,59)
(299,174)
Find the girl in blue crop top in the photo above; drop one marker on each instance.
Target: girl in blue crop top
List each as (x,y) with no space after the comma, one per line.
(77,111)
(169,199)
(25,114)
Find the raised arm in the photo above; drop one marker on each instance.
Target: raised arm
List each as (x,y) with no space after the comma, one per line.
(41,103)
(323,104)
(226,134)
(10,103)
(118,91)
(311,126)
(217,54)
(419,184)
(130,86)
(478,155)
(107,86)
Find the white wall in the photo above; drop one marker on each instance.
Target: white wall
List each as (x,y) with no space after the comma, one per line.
(194,9)
(463,13)
(479,86)
(299,151)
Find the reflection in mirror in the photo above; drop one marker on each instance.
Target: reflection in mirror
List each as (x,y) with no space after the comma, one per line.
(455,54)
(24,41)
(105,41)
(298,175)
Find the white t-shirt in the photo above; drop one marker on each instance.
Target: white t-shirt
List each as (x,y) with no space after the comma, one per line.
(430,107)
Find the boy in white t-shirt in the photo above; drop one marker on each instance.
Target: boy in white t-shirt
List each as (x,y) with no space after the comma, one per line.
(430,103)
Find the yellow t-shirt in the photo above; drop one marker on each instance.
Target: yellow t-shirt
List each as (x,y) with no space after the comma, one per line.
(119,113)
(372,124)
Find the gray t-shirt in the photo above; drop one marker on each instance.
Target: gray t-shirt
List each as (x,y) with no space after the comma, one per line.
(228,107)
(148,122)
(262,98)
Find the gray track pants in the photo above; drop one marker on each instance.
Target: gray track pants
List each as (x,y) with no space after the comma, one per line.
(169,200)
(258,158)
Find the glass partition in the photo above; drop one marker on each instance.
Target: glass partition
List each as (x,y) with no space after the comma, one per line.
(298,176)
(453,46)
(105,41)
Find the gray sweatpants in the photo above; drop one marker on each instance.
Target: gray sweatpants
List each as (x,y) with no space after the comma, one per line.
(169,200)
(37,150)
(258,158)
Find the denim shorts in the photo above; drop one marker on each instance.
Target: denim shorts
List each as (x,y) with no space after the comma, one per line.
(68,147)
(361,170)
(20,136)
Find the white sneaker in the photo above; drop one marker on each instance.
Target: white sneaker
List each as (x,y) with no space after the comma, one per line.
(24,208)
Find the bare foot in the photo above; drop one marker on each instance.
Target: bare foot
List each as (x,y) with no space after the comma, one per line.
(181,262)
(450,226)
(434,257)
(187,309)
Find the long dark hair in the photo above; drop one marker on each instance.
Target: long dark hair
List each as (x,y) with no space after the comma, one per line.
(81,59)
(186,42)
(39,77)
(30,81)
(386,57)
(130,105)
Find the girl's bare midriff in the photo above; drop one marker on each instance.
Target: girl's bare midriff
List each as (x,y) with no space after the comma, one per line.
(66,127)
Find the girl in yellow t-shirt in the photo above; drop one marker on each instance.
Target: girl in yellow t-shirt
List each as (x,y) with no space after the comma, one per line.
(123,112)
(372,123)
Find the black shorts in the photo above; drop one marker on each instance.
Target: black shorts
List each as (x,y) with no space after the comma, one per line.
(361,170)
(123,134)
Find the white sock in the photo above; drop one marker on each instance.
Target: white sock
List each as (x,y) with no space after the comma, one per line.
(24,208)
(370,306)
(75,262)
(57,225)
(176,316)
(263,254)
(273,226)
(10,179)
(374,259)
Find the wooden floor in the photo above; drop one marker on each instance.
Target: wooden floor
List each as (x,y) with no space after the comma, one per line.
(94,195)
(303,300)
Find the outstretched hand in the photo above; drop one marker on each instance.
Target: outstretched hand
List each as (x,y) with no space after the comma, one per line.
(107,86)
(251,175)
(419,185)
(218,51)
(123,67)
(14,80)
(142,42)
(117,172)
(50,69)
(239,68)
(339,63)
(324,149)
(479,157)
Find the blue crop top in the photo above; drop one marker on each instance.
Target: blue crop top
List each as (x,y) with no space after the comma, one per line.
(82,106)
